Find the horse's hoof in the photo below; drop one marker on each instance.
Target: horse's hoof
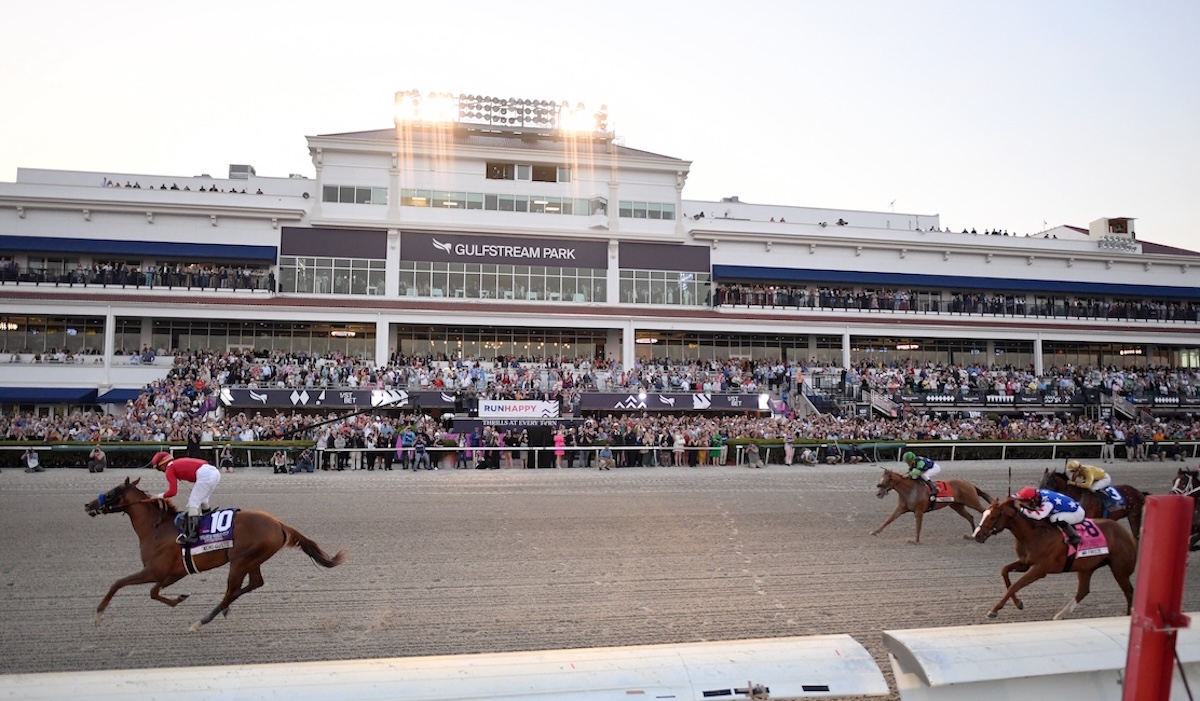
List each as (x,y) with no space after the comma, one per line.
(99,617)
(992,614)
(1020,605)
(969,536)
(874,532)
(195,627)
(910,541)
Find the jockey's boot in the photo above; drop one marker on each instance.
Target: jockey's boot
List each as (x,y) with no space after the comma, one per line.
(1069,531)
(933,490)
(191,526)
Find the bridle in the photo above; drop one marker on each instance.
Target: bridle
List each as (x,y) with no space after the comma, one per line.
(1187,483)
(110,502)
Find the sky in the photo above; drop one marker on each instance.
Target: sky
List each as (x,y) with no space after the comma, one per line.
(993,115)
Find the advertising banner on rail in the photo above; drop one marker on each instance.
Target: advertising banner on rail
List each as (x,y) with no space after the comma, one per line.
(511,409)
(316,398)
(658,401)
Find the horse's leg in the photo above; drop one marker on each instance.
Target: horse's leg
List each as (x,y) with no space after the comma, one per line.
(233,590)
(961,509)
(1018,566)
(1034,574)
(1084,588)
(143,577)
(171,601)
(919,514)
(895,515)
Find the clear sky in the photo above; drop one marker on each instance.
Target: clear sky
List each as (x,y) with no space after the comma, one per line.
(994,115)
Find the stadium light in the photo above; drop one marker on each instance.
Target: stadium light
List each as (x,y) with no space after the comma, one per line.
(504,112)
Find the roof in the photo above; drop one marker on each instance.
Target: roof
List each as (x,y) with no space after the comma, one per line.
(48,395)
(531,142)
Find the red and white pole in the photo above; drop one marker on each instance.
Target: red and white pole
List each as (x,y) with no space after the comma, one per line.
(1158,598)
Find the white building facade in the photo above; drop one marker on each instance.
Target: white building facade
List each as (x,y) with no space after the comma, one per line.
(489,235)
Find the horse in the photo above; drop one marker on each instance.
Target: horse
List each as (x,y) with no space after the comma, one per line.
(257,536)
(1041,550)
(1187,483)
(913,496)
(1093,505)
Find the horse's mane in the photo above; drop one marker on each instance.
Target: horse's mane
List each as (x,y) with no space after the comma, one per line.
(163,505)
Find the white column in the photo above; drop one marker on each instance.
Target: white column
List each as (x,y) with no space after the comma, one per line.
(990,349)
(391,285)
(110,344)
(627,346)
(1037,355)
(394,198)
(612,278)
(383,338)
(846,348)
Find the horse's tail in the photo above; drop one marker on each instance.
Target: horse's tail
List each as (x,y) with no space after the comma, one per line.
(297,539)
(987,498)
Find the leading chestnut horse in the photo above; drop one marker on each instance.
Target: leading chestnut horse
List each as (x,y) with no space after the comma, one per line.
(1187,483)
(913,496)
(1093,506)
(1041,550)
(257,536)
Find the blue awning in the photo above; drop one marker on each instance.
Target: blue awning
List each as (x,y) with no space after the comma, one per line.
(733,273)
(149,249)
(47,395)
(118,396)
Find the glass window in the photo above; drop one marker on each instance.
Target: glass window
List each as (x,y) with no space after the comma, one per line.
(520,203)
(379,195)
(625,209)
(362,195)
(346,193)
(491,202)
(474,200)
(506,203)
(329,193)
(500,171)
(668,211)
(564,175)
(524,172)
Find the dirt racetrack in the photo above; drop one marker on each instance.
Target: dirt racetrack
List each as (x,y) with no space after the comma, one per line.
(466,561)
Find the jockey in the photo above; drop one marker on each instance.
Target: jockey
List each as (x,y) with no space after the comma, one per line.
(1097,481)
(1062,510)
(923,469)
(195,470)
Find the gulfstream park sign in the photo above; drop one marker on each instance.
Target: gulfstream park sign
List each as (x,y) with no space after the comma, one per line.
(513,250)
(464,250)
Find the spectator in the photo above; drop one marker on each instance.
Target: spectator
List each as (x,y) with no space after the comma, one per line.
(279,463)
(32,462)
(97,460)
(304,463)
(605,461)
(420,454)
(226,458)
(752,456)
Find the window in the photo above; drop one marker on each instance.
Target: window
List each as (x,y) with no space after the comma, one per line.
(564,175)
(545,174)
(523,172)
(627,209)
(350,194)
(501,171)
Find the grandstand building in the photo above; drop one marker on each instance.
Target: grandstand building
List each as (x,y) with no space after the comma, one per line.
(477,227)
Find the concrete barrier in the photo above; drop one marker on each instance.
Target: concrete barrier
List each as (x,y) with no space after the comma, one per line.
(778,668)
(1062,660)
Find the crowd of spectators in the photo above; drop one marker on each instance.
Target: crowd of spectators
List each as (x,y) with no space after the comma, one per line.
(201,275)
(905,300)
(905,378)
(182,406)
(137,185)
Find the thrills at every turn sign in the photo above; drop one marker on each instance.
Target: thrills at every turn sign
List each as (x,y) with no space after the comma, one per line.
(495,408)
